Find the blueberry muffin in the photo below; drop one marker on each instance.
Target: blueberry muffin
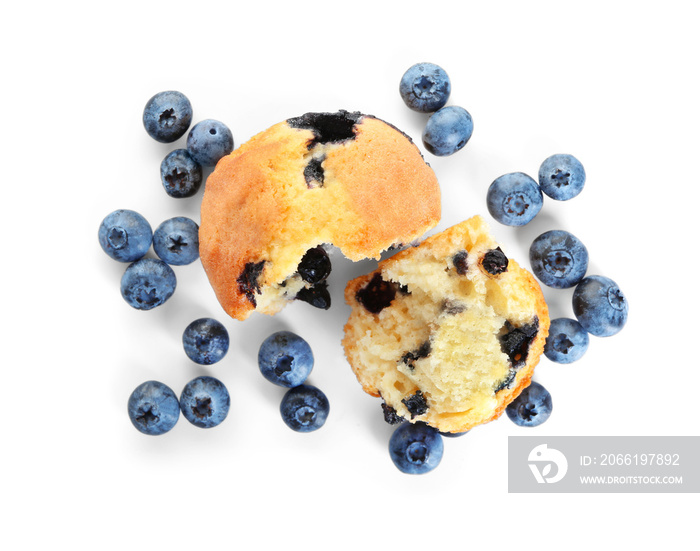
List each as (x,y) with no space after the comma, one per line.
(447,332)
(345,179)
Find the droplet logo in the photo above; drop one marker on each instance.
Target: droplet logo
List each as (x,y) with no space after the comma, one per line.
(541,460)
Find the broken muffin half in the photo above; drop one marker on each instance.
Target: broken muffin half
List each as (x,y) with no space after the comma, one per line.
(447,333)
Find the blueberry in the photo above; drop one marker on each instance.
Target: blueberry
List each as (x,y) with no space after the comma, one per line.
(315,265)
(495,261)
(285,359)
(377,294)
(567,341)
(425,87)
(415,448)
(205,341)
(317,295)
(153,408)
(314,173)
(248,283)
(181,174)
(416,403)
(167,116)
(562,177)
(125,235)
(461,262)
(390,414)
(209,141)
(600,306)
(205,402)
(328,127)
(148,283)
(559,259)
(176,241)
(304,408)
(447,131)
(532,407)
(515,342)
(514,199)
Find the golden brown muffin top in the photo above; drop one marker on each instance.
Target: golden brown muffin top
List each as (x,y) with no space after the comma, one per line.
(291,188)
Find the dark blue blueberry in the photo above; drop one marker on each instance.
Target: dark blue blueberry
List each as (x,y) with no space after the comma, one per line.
(390,414)
(176,241)
(532,407)
(125,235)
(317,296)
(148,283)
(209,141)
(415,448)
(461,263)
(425,87)
(167,116)
(205,402)
(559,259)
(328,127)
(515,343)
(153,408)
(205,341)
(304,408)
(495,262)
(285,359)
(248,283)
(562,177)
(567,341)
(314,173)
(416,404)
(181,174)
(447,131)
(514,199)
(600,306)
(377,294)
(315,265)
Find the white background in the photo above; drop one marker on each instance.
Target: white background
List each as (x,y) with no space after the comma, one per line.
(613,83)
